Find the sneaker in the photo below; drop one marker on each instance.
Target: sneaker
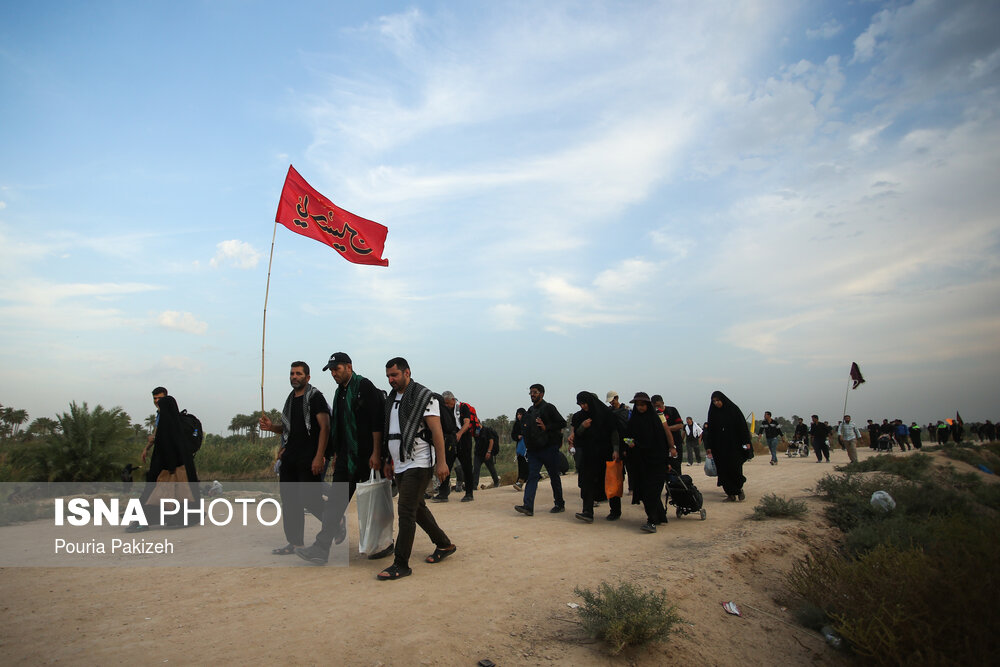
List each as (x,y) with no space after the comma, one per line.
(584,517)
(314,553)
(614,516)
(648,527)
(496,483)
(518,485)
(439,499)
(524,510)
(467,499)
(136,527)
(557,509)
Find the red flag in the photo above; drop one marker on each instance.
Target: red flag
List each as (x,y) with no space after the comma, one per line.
(856,375)
(305,211)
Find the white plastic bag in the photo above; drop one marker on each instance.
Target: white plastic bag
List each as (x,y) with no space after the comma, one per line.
(375,514)
(710,469)
(881,500)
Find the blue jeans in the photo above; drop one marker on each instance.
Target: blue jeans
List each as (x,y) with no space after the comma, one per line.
(548,457)
(772,444)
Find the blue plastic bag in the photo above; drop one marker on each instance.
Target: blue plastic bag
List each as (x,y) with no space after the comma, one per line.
(710,469)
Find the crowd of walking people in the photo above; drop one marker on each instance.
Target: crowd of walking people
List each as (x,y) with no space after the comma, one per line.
(418,438)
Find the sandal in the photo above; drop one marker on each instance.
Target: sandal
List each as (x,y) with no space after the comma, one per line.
(286,550)
(393,572)
(440,554)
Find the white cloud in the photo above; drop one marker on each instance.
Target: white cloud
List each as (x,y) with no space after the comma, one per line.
(866,42)
(185,322)
(829,29)
(239,254)
(67,306)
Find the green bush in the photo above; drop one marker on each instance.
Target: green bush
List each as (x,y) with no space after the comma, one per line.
(236,458)
(914,467)
(775,506)
(624,616)
(913,585)
(975,456)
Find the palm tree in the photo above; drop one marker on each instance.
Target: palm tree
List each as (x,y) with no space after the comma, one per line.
(18,417)
(150,423)
(234,424)
(93,445)
(43,426)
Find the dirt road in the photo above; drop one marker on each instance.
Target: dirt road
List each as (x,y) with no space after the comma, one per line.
(503,596)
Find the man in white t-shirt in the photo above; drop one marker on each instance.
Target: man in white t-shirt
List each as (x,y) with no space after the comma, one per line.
(415,446)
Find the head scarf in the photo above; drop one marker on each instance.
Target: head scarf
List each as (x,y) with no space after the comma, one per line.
(647,430)
(727,425)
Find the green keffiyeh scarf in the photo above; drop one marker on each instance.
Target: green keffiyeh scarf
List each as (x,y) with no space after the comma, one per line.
(352,394)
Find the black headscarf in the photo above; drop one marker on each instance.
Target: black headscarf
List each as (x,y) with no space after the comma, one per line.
(515,429)
(727,425)
(169,444)
(647,430)
(597,410)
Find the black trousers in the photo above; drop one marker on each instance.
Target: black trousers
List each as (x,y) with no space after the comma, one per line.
(822,448)
(336,504)
(490,465)
(464,454)
(449,457)
(300,490)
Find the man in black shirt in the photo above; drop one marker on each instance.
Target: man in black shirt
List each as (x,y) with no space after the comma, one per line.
(487,446)
(542,428)
(463,447)
(772,433)
(356,445)
(304,430)
(819,431)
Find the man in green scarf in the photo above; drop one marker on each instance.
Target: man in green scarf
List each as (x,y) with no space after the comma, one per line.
(356,443)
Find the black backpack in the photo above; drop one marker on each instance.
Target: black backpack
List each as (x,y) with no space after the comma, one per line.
(193,430)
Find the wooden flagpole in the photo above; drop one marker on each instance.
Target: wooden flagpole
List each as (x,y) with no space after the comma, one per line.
(263,332)
(846,394)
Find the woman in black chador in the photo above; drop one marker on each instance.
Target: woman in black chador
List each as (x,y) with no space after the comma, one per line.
(595,436)
(727,440)
(171,464)
(649,441)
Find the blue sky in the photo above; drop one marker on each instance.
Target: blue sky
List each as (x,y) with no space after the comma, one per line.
(666,197)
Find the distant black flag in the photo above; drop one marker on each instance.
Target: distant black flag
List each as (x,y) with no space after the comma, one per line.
(856,375)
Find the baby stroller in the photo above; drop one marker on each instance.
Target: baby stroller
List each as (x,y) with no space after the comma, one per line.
(684,495)
(885,443)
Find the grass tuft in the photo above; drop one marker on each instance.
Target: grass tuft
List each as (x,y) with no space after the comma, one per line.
(625,616)
(778,507)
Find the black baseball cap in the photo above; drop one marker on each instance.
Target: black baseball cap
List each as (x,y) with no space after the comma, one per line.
(337,358)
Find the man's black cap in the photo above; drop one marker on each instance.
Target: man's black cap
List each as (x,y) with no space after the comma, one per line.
(337,358)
